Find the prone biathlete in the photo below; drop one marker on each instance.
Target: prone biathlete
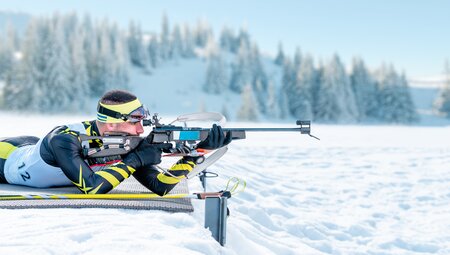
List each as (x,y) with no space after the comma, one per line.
(57,159)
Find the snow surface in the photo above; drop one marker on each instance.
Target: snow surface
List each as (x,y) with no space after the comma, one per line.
(360,190)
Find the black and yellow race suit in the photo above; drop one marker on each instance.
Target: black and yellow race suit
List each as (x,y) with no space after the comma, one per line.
(57,160)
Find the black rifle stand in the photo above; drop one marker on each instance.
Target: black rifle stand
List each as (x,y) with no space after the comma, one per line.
(216,213)
(204,175)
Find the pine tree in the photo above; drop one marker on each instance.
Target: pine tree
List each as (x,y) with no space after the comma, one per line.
(165,39)
(241,70)
(188,43)
(176,45)
(283,104)
(297,58)
(138,52)
(273,106)
(279,59)
(315,90)
(79,75)
(57,75)
(120,67)
(259,79)
(228,40)
(409,109)
(365,90)
(30,86)
(335,100)
(201,34)
(247,111)
(105,77)
(442,102)
(288,82)
(92,54)
(8,47)
(153,52)
(216,75)
(395,103)
(300,99)
(243,38)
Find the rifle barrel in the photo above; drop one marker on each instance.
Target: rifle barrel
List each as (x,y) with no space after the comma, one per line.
(262,129)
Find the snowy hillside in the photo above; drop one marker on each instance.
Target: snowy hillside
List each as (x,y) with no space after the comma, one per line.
(360,190)
(177,86)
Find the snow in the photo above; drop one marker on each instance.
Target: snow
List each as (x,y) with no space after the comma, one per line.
(359,190)
(435,81)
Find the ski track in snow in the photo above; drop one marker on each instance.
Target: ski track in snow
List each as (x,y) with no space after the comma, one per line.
(360,190)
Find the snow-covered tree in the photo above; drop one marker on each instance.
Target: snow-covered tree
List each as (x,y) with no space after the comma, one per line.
(297,58)
(228,40)
(78,73)
(288,79)
(243,38)
(188,43)
(176,44)
(30,80)
(241,70)
(216,75)
(8,47)
(164,48)
(202,33)
(365,89)
(283,104)
(120,67)
(154,56)
(57,75)
(259,79)
(409,113)
(300,98)
(395,103)
(442,102)
(273,106)
(279,59)
(248,110)
(335,98)
(137,49)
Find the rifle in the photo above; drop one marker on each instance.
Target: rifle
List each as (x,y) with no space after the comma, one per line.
(179,136)
(183,139)
(170,133)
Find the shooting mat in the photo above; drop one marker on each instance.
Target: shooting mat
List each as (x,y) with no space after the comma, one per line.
(130,185)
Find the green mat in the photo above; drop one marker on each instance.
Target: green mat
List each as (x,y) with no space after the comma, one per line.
(128,186)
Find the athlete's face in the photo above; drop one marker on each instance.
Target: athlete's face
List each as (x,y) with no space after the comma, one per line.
(132,128)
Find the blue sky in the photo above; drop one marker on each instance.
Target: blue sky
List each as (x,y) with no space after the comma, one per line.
(412,35)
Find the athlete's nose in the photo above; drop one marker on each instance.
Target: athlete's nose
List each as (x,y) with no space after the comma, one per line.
(139,128)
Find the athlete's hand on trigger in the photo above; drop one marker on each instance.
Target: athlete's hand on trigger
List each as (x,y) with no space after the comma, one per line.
(146,154)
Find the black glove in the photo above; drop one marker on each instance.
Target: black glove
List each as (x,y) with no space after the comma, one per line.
(215,139)
(145,154)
